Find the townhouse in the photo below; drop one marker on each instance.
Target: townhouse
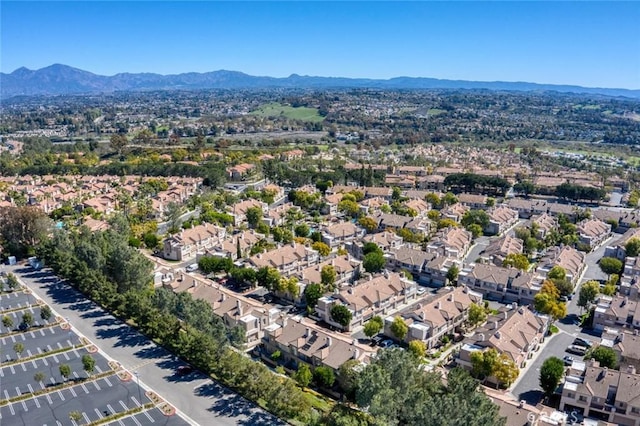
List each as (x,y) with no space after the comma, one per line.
(189,242)
(347,270)
(442,315)
(616,312)
(241,242)
(340,234)
(603,393)
(499,249)
(473,201)
(239,210)
(592,232)
(382,295)
(387,241)
(428,269)
(619,251)
(516,331)
(454,212)
(296,342)
(543,225)
(570,259)
(286,258)
(501,218)
(451,242)
(502,284)
(527,207)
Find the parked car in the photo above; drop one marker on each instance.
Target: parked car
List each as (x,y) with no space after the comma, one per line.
(386,343)
(579,341)
(192,268)
(568,360)
(183,370)
(577,350)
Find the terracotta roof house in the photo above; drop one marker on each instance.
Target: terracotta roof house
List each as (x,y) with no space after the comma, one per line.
(501,218)
(189,242)
(502,284)
(342,233)
(451,242)
(387,241)
(567,257)
(593,232)
(286,259)
(499,249)
(545,223)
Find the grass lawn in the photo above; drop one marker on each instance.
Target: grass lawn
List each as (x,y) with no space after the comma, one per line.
(435,111)
(298,113)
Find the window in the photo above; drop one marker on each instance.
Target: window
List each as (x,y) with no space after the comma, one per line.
(635,410)
(582,399)
(571,395)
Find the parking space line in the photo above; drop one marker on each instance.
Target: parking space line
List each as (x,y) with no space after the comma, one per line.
(13,413)
(108,382)
(135,401)
(1,373)
(24,406)
(58,423)
(13,338)
(124,406)
(45,362)
(42,332)
(51,330)
(48,398)
(151,419)
(136,421)
(75,395)
(61,395)
(49,348)
(12,370)
(18,391)
(56,359)
(98,413)
(98,369)
(23,337)
(86,418)
(33,336)
(96,385)
(111,409)
(29,354)
(60,346)
(6,394)
(84,388)
(37,402)
(66,356)
(24,368)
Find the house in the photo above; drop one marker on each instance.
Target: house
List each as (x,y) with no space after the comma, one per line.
(429,321)
(603,393)
(593,232)
(431,182)
(338,235)
(451,242)
(286,258)
(625,343)
(301,342)
(347,270)
(619,251)
(189,242)
(501,218)
(387,241)
(240,172)
(517,332)
(239,210)
(473,201)
(499,249)
(527,208)
(428,269)
(380,295)
(570,259)
(616,312)
(544,224)
(454,212)
(502,284)
(391,221)
(243,242)
(294,154)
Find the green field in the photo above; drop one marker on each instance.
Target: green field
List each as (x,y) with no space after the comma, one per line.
(435,111)
(298,113)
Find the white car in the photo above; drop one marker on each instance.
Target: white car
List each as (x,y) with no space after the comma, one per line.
(192,268)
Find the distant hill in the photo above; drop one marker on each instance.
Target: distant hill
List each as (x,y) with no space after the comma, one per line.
(60,79)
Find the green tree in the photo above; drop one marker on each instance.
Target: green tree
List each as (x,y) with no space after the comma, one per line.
(483,363)
(446,223)
(328,276)
(324,376)
(75,416)
(399,328)
(268,277)
(588,293)
(632,248)
(254,216)
(610,265)
(302,230)
(373,326)
(118,142)
(551,373)
(373,262)
(368,224)
(7,321)
(477,315)
(477,217)
(312,292)
(546,301)
(342,315)
(371,248)
(505,371)
(605,356)
(303,376)
(23,228)
(557,273)
(65,371)
(12,282)
(18,348)
(172,214)
(516,260)
(348,207)
(27,319)
(151,240)
(475,229)
(45,312)
(88,364)
(322,248)
(452,273)
(417,348)
(347,376)
(39,377)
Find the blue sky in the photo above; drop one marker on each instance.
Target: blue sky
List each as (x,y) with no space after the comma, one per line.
(585,43)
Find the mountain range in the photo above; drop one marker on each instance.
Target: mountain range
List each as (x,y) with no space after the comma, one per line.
(61,79)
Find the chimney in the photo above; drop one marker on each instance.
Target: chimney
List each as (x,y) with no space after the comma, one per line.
(620,337)
(480,337)
(514,305)
(506,315)
(522,402)
(307,332)
(438,305)
(635,332)
(495,325)
(239,306)
(497,334)
(356,353)
(195,284)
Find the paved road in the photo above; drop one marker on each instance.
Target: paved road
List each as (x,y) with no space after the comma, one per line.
(204,401)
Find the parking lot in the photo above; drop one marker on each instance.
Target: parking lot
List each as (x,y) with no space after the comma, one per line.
(37,341)
(153,416)
(16,300)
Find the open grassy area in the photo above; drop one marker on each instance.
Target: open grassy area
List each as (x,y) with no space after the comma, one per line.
(435,111)
(298,113)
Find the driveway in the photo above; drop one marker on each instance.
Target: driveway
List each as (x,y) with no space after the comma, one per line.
(199,399)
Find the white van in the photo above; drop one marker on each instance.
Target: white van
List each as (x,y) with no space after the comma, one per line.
(192,268)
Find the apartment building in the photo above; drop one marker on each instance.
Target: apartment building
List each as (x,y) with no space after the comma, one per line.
(502,284)
(189,242)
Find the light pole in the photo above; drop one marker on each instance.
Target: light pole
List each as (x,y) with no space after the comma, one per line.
(139,392)
(70,332)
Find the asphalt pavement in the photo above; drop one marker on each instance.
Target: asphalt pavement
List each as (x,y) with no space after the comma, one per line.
(200,399)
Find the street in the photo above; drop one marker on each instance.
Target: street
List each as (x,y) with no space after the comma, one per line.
(201,400)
